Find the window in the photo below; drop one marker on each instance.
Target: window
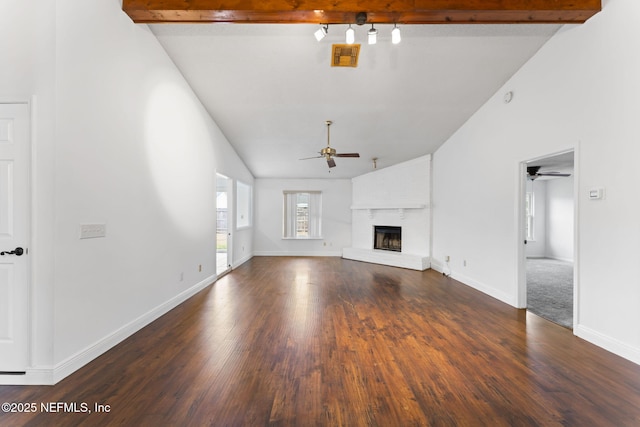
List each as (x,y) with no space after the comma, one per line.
(530,209)
(243,205)
(302,215)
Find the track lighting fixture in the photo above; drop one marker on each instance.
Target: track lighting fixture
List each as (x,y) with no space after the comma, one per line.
(350,35)
(372,35)
(322,31)
(395,34)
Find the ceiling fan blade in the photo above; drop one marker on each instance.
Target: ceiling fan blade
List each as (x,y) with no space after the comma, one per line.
(331,162)
(533,170)
(315,157)
(347,155)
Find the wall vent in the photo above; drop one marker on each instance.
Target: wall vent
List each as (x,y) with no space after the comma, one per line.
(345,55)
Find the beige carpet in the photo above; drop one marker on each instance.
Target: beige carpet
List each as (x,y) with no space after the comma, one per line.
(550,290)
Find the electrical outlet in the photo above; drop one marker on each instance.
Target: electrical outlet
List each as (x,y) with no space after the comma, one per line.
(446,258)
(464,263)
(199,267)
(181,277)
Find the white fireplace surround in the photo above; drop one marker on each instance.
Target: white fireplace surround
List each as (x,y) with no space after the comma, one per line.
(413,235)
(395,196)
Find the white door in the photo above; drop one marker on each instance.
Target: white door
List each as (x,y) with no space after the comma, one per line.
(14,236)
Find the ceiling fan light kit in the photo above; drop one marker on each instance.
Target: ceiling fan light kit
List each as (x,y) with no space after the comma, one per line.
(329,152)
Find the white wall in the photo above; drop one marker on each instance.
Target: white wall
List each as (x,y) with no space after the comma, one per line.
(560,223)
(553,220)
(336,217)
(579,91)
(407,184)
(137,151)
(27,48)
(122,140)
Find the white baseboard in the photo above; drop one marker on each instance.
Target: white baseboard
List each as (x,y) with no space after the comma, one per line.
(241,261)
(81,358)
(492,292)
(283,253)
(437,265)
(564,259)
(33,376)
(550,257)
(610,344)
(479,286)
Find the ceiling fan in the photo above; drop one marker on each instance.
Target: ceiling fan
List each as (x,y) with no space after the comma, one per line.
(533,173)
(329,152)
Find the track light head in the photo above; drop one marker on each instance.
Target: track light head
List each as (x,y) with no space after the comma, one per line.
(395,34)
(372,35)
(322,32)
(350,35)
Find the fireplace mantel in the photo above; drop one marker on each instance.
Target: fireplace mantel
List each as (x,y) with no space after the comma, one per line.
(400,207)
(390,206)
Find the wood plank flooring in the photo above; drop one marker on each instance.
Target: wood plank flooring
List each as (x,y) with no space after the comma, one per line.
(330,342)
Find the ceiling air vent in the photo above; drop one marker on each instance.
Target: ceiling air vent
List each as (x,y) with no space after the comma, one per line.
(345,55)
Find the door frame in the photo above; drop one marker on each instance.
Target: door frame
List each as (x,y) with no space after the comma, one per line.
(230,222)
(521,298)
(29,102)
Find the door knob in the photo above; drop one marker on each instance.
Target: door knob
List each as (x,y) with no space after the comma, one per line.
(17,251)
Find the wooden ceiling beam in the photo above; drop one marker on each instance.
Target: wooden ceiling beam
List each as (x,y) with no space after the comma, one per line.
(378,11)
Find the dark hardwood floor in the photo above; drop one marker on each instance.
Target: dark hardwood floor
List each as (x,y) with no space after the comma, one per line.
(331,342)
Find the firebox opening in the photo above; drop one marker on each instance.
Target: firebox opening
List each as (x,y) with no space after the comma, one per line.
(388,238)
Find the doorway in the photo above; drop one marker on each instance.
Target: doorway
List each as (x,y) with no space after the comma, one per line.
(548,257)
(223,216)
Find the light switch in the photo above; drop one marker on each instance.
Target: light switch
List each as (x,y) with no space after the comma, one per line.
(91,231)
(596,193)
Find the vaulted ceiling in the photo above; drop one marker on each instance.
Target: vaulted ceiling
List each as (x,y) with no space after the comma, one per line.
(271,87)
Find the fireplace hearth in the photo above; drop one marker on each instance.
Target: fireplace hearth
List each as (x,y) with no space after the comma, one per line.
(387,238)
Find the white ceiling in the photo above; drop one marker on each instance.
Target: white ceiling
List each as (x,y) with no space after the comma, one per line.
(270,88)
